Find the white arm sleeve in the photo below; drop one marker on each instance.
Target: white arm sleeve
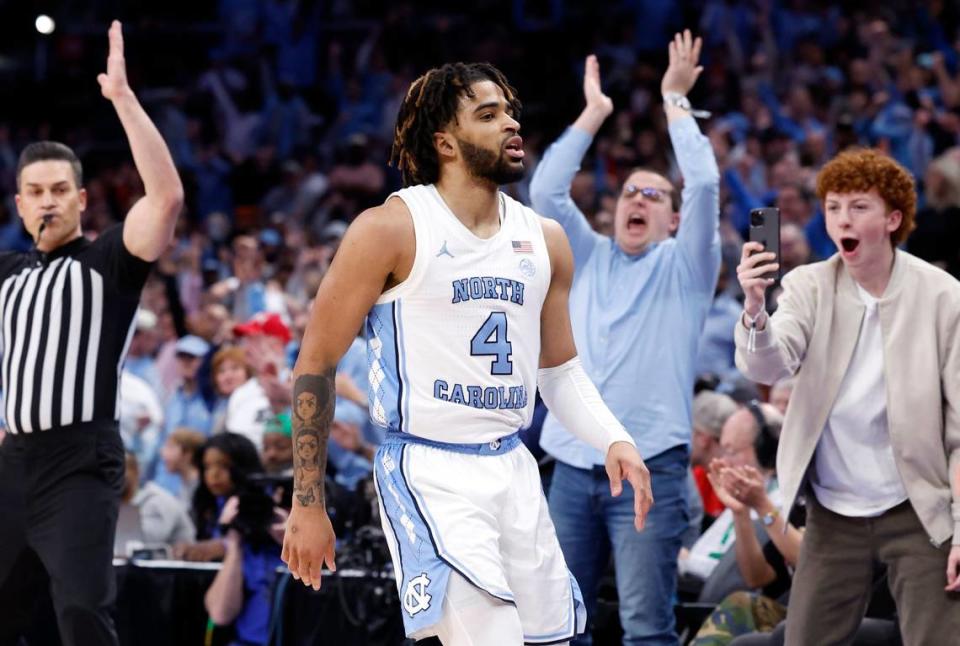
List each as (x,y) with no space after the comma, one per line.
(571,396)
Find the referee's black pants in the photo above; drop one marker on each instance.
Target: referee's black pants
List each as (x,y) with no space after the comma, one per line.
(59,494)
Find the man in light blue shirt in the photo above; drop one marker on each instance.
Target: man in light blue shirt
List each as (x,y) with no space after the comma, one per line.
(186,407)
(638,305)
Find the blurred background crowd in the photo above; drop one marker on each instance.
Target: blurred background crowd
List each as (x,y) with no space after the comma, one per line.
(280,114)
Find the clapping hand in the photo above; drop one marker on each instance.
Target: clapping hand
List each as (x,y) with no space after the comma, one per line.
(715,474)
(746,484)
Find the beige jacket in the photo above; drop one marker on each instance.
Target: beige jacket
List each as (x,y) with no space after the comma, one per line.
(813,334)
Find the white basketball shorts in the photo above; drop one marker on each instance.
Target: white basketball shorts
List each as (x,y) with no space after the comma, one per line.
(477,509)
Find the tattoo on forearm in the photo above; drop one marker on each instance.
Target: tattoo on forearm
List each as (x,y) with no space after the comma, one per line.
(314,397)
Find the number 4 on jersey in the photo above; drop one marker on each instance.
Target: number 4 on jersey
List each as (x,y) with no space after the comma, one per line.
(491,340)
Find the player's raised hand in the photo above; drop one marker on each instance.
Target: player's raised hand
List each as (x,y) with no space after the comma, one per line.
(624,463)
(683,70)
(592,90)
(113,84)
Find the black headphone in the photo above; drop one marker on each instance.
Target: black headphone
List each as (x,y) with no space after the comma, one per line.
(766,442)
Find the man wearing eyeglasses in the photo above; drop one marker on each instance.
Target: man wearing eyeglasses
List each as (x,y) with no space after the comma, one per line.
(638,305)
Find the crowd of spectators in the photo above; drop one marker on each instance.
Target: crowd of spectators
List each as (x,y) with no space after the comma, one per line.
(279,115)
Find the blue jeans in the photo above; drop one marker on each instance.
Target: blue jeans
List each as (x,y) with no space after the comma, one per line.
(589,522)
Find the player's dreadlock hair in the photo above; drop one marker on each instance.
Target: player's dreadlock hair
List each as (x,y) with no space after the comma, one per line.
(431,103)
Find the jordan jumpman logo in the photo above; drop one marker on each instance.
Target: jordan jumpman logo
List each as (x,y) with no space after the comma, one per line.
(444,250)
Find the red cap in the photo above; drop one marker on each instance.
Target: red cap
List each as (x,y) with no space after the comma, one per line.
(264,323)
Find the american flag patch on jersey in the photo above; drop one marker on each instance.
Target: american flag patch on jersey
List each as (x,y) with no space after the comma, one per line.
(522,246)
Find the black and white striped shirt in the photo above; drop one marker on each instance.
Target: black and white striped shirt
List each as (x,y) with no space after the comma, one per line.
(66,321)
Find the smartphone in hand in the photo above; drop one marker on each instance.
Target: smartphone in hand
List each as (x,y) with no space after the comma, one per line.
(765,229)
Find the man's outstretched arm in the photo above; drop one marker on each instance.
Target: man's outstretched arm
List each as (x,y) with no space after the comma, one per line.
(148,228)
(698,235)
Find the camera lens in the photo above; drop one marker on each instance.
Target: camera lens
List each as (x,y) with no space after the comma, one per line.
(756,219)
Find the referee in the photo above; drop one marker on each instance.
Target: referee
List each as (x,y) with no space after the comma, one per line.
(66,319)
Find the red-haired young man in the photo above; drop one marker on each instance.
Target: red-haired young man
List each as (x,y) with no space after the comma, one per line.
(873,426)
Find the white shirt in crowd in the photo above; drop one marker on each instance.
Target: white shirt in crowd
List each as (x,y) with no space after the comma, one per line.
(141,420)
(248,411)
(854,471)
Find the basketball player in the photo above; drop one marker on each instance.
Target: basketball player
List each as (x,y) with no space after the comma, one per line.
(465,292)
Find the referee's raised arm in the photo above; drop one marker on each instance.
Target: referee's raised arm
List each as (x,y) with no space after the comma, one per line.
(148,228)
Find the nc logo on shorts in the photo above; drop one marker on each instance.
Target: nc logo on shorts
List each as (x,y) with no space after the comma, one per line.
(416,599)
(527,268)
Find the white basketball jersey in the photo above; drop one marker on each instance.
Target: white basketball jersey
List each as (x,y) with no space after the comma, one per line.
(454,349)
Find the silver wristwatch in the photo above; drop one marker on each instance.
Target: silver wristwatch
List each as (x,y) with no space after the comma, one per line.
(682,102)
